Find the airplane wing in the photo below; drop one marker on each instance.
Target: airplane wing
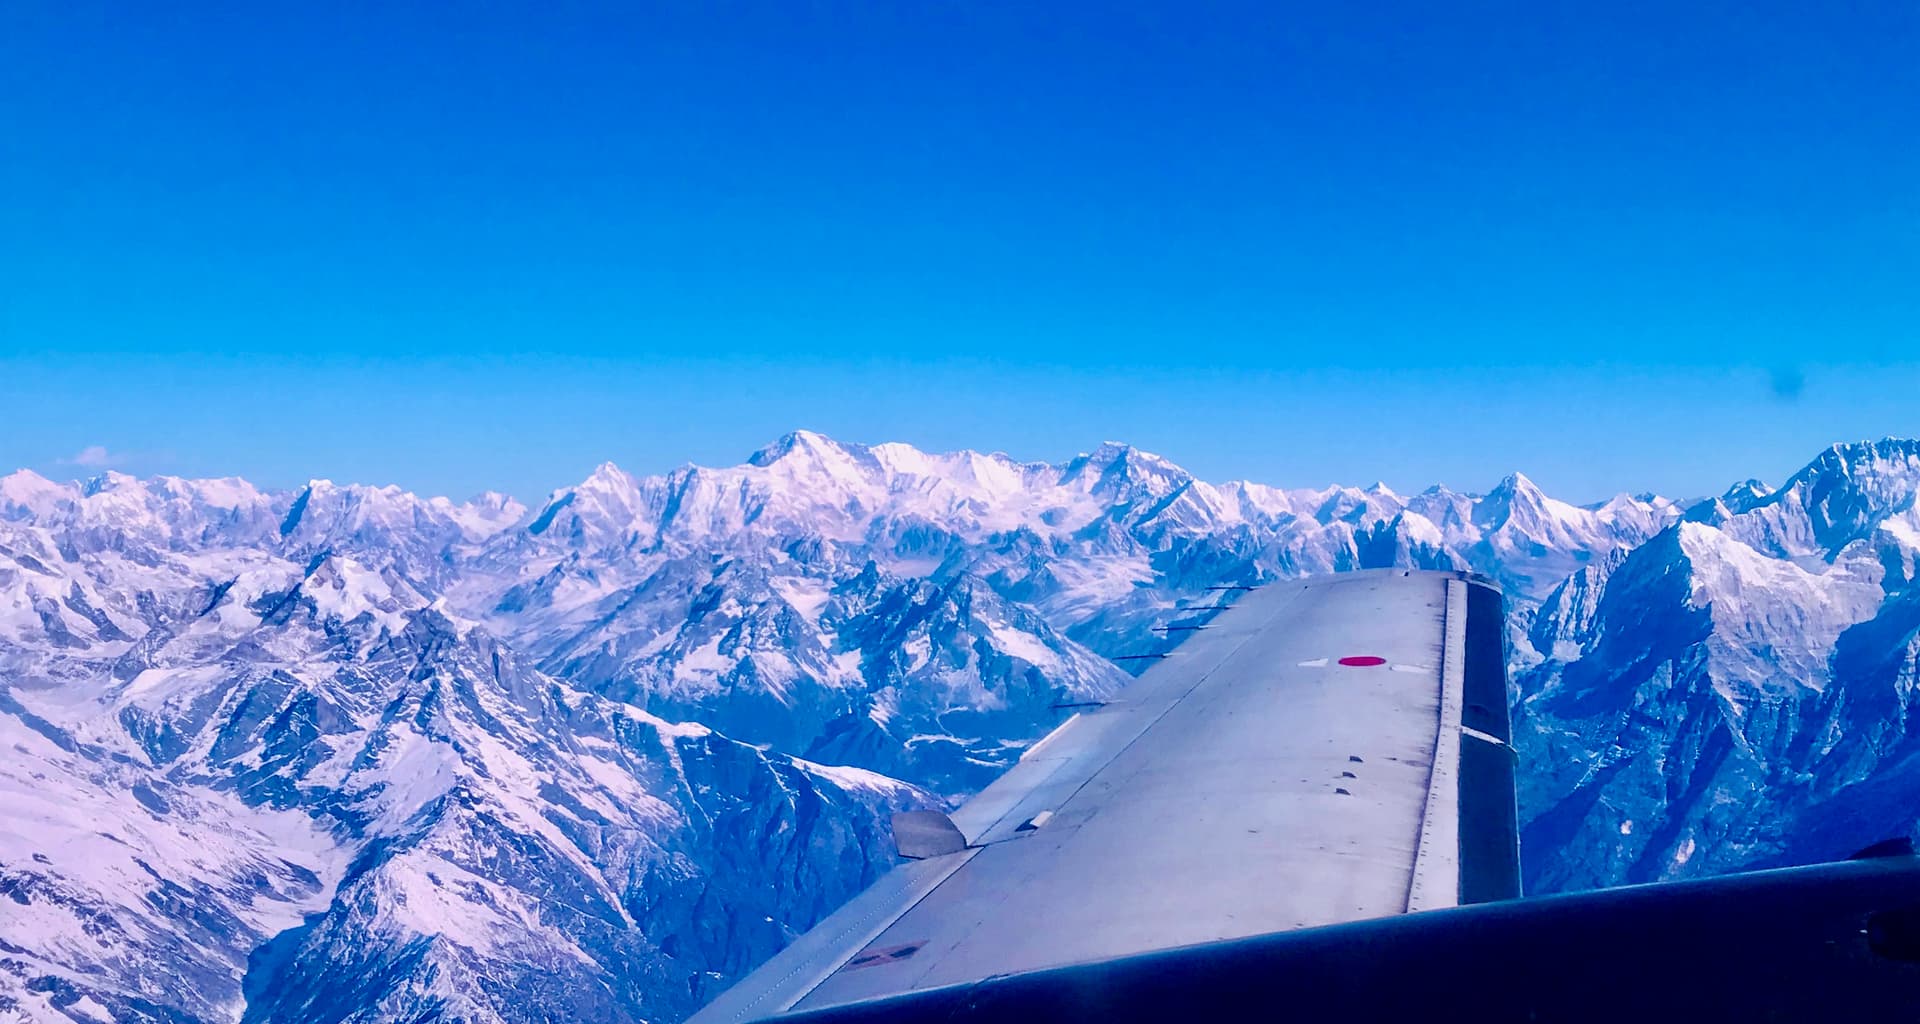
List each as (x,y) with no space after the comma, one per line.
(1315,751)
(1306,811)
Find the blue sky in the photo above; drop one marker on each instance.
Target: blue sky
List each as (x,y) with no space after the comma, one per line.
(1620,246)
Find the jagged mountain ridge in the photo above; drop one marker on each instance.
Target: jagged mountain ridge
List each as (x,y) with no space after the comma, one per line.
(917,614)
(1101,547)
(734,596)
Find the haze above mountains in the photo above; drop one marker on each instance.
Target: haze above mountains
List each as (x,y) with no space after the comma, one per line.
(342,753)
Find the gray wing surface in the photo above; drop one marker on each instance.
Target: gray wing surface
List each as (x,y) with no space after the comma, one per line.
(1249,782)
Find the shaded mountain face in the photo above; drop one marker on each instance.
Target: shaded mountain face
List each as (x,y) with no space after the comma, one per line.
(343,753)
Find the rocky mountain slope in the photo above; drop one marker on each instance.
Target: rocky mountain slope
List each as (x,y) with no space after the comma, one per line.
(1734,691)
(342,753)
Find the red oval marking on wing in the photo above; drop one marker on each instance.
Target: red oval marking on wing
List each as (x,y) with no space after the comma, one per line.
(1362,661)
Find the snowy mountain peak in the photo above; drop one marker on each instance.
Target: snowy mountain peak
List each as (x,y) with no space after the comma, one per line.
(1516,484)
(1514,500)
(1744,495)
(25,494)
(23,483)
(495,501)
(602,509)
(1873,471)
(1778,618)
(805,442)
(1843,496)
(111,480)
(608,479)
(1859,453)
(228,492)
(1114,465)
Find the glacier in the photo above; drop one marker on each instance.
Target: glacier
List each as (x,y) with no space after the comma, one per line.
(343,753)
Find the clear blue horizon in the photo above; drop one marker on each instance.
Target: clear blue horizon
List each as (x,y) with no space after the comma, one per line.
(1629,248)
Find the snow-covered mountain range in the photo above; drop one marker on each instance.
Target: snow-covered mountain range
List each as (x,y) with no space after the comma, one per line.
(342,753)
